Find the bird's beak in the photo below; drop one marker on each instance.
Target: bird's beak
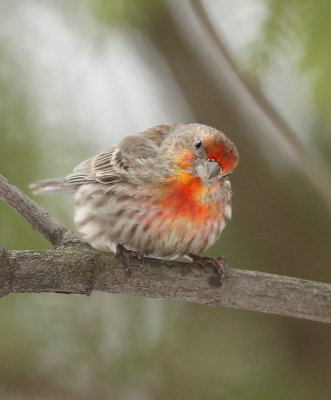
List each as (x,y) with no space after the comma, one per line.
(208,170)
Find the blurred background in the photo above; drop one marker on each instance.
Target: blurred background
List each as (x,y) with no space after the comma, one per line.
(75,78)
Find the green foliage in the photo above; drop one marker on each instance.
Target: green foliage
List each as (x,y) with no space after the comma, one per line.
(19,159)
(126,13)
(304,26)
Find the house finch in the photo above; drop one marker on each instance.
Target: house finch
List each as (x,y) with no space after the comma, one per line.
(162,193)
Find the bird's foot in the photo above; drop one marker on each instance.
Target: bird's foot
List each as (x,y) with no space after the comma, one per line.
(219,263)
(128,255)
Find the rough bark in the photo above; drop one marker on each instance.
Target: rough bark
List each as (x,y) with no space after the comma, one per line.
(82,269)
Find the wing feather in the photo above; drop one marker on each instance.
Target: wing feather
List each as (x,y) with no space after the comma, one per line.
(136,152)
(114,165)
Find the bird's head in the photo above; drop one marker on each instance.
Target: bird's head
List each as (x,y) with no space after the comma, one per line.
(200,151)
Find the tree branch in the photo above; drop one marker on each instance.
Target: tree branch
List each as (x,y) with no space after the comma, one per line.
(39,219)
(80,269)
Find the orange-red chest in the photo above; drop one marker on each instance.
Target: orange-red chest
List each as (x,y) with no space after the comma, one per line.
(188,198)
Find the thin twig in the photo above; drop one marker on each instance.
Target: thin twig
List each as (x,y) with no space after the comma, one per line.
(40,220)
(318,173)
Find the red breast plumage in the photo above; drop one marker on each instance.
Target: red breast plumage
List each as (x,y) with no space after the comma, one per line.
(163,192)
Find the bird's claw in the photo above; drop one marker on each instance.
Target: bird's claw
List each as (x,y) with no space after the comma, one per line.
(128,255)
(219,263)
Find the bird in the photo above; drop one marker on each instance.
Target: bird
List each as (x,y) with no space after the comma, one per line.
(161,193)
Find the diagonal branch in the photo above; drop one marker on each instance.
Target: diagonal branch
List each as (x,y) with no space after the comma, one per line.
(318,174)
(40,220)
(79,269)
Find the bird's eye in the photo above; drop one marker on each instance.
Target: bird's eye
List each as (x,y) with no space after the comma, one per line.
(198,144)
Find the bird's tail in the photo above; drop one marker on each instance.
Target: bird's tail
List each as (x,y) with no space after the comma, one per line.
(53,186)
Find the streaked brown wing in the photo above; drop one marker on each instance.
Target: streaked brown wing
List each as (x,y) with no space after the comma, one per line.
(145,144)
(111,165)
(106,168)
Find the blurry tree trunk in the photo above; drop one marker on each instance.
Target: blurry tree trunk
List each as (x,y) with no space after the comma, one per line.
(215,102)
(284,208)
